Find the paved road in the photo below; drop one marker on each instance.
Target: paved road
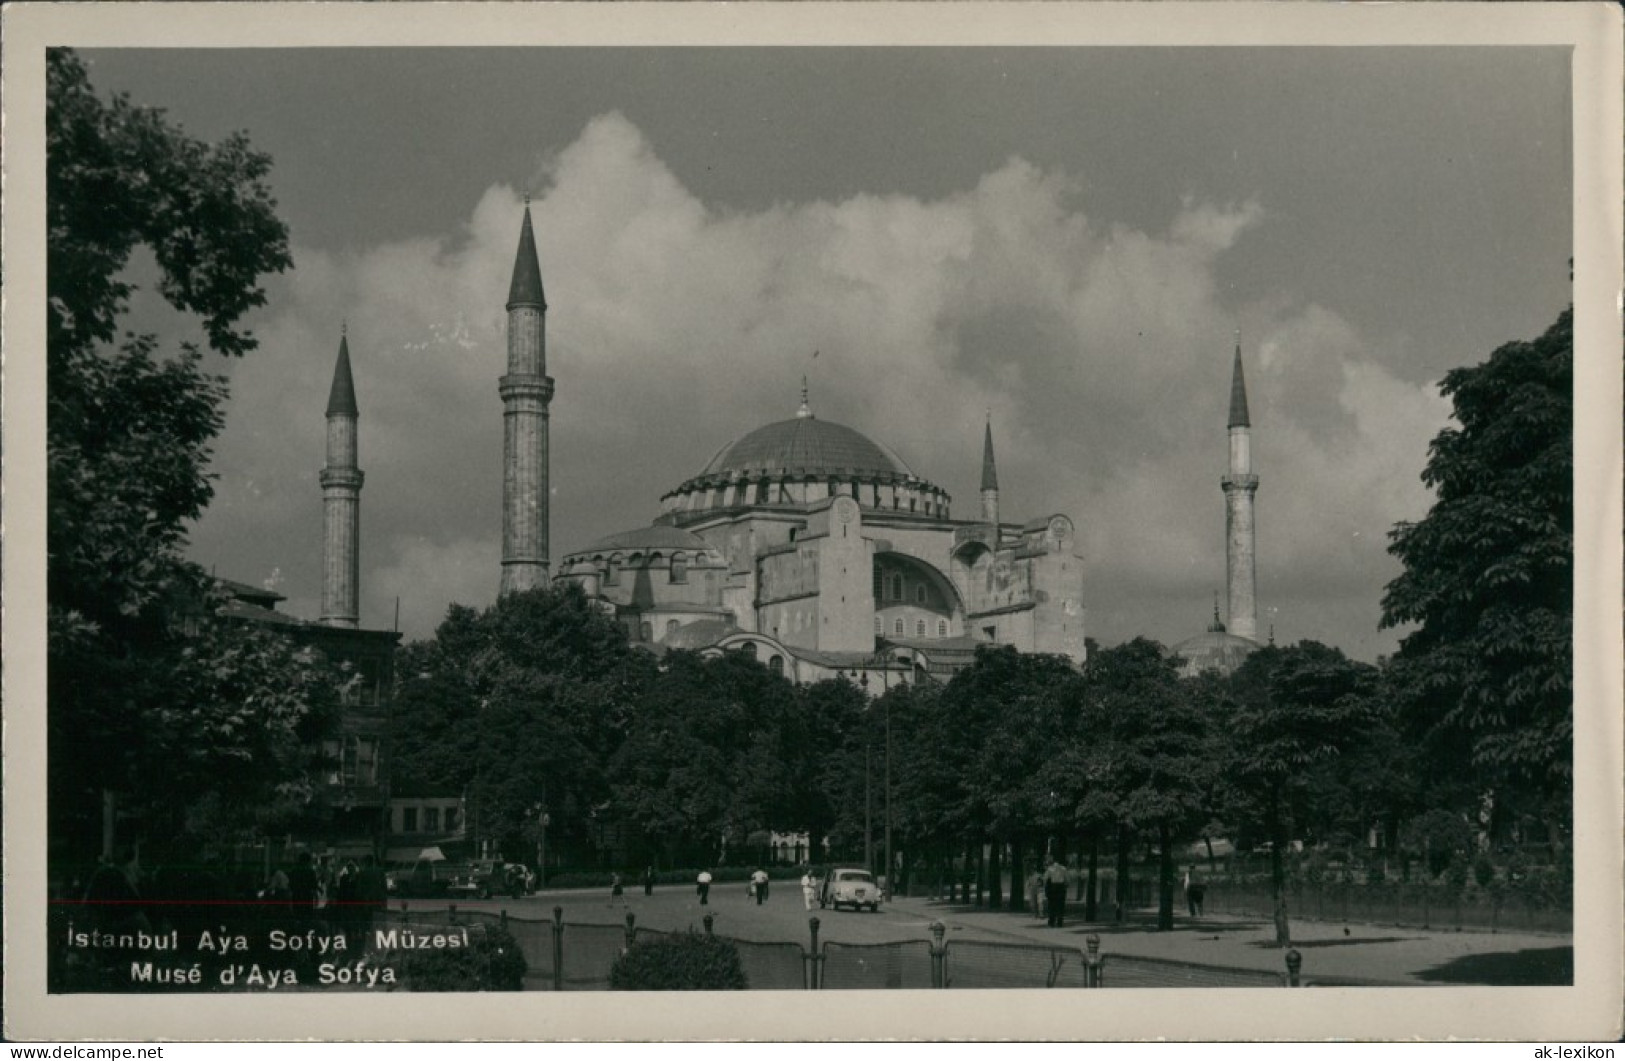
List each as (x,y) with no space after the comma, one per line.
(1360,951)
(782,918)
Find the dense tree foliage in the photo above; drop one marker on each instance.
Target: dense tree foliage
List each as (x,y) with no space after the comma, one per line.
(1150,761)
(1296,710)
(1488,580)
(208,714)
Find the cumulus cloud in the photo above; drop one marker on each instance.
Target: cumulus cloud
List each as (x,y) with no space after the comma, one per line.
(1102,353)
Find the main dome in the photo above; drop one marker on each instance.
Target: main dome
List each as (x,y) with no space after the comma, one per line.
(799,462)
(805,445)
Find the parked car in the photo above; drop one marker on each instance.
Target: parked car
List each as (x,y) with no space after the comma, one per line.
(849,886)
(482,878)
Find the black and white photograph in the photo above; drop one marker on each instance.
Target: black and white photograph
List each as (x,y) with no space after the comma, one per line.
(1017,498)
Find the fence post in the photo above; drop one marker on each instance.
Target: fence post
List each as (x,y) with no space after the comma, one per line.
(1294,968)
(939,953)
(558,948)
(1091,961)
(710,920)
(502,921)
(631,928)
(452,913)
(812,976)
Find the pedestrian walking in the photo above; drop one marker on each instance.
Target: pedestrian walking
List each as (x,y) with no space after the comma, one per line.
(1195,891)
(1055,893)
(1035,892)
(702,885)
(648,880)
(615,887)
(807,888)
(758,885)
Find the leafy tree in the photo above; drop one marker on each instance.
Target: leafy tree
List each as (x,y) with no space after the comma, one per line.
(1295,709)
(1150,760)
(128,433)
(999,721)
(1488,576)
(520,705)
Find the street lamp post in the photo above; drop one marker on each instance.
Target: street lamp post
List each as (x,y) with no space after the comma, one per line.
(868,803)
(891,867)
(543,820)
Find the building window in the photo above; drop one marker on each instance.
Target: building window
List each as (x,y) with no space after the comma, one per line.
(749,649)
(612,573)
(409,820)
(878,591)
(776,665)
(919,593)
(897,627)
(880,626)
(431,819)
(671,627)
(942,628)
(646,632)
(679,567)
(919,628)
(451,819)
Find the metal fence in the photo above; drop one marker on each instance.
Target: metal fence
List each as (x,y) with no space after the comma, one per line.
(1412,905)
(975,964)
(569,956)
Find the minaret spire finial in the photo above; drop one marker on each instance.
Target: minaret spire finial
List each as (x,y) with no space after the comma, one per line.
(805,412)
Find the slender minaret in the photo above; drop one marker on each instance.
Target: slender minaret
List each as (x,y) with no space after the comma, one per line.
(990,479)
(1239,487)
(341,500)
(526,392)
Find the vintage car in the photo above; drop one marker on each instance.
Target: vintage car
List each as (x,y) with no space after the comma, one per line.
(849,886)
(479,879)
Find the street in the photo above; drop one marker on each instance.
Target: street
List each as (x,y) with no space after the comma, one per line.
(782,918)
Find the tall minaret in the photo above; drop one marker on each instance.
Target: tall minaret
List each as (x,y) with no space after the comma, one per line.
(1239,487)
(526,392)
(341,500)
(990,480)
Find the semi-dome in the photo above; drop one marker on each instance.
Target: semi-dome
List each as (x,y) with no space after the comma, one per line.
(657,536)
(806,445)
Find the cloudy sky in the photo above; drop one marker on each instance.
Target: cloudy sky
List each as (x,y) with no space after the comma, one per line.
(1067,239)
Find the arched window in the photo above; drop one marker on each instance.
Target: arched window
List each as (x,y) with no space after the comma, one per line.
(776,664)
(679,567)
(646,631)
(942,628)
(612,573)
(919,593)
(879,592)
(671,627)
(897,627)
(749,649)
(919,628)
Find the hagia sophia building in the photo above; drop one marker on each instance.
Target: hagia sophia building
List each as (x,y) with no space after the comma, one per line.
(803,543)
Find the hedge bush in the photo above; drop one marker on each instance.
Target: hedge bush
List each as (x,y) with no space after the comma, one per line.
(492,962)
(684,962)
